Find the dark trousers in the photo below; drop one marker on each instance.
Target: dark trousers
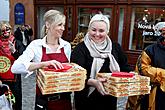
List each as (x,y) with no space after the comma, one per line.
(95,101)
(57,101)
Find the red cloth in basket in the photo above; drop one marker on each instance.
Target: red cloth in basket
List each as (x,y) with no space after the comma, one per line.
(51,68)
(122,74)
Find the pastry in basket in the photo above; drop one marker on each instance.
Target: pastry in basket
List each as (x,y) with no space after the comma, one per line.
(121,84)
(71,77)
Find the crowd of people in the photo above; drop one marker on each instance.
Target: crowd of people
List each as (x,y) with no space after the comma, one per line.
(96,53)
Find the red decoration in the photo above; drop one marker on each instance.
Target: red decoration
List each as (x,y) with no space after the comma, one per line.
(51,68)
(122,74)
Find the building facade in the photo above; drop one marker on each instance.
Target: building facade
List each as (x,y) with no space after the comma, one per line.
(132,21)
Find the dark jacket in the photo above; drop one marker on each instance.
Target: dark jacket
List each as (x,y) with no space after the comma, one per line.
(27,33)
(152,64)
(81,56)
(19,48)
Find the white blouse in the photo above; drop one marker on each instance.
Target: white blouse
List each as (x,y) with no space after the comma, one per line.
(33,53)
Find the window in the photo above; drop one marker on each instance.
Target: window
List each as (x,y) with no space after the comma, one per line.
(143,21)
(5,11)
(70,23)
(85,14)
(121,23)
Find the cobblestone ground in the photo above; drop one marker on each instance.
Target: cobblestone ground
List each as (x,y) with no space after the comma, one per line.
(121,103)
(72,100)
(28,92)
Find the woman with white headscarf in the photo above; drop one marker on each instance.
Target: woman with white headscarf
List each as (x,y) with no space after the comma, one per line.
(98,54)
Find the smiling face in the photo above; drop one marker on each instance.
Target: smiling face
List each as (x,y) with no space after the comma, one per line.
(55,23)
(98,31)
(57,29)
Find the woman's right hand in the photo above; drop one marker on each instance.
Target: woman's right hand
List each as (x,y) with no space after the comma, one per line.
(56,64)
(97,83)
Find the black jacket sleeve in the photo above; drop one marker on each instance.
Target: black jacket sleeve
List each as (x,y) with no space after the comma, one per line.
(19,49)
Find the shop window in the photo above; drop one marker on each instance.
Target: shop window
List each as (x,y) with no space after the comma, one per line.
(70,23)
(121,23)
(143,21)
(85,14)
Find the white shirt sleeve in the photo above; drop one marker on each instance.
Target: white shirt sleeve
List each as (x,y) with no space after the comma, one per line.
(32,53)
(67,50)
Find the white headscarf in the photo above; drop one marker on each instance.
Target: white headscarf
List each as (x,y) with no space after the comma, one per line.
(158,27)
(102,50)
(99,52)
(100,17)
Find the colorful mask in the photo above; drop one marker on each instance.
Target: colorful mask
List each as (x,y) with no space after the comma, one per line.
(5,32)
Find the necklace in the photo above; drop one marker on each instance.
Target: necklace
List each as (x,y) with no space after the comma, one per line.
(51,43)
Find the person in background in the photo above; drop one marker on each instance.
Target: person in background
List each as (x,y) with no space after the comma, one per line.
(151,63)
(51,50)
(24,34)
(10,49)
(97,53)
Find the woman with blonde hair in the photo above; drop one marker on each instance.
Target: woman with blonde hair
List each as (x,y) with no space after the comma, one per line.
(50,50)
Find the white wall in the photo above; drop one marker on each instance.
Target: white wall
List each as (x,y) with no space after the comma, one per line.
(4,11)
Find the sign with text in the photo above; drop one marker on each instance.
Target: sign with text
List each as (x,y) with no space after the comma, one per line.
(19,13)
(148,30)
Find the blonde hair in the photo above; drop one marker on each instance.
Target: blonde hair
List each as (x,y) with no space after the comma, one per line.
(2,23)
(52,17)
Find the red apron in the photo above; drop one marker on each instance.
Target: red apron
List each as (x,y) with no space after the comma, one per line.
(6,60)
(61,57)
(58,104)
